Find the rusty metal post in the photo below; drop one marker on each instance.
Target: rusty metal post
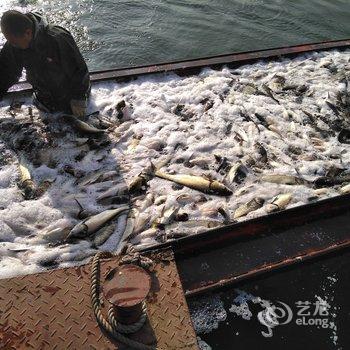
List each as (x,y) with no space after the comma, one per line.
(126,288)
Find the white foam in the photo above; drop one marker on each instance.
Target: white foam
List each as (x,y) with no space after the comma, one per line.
(207,313)
(196,135)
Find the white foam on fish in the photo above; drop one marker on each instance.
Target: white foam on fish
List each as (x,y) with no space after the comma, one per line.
(152,131)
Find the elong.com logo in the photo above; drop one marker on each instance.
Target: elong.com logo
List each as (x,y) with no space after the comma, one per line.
(308,314)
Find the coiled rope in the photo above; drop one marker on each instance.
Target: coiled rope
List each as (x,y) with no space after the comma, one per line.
(111,325)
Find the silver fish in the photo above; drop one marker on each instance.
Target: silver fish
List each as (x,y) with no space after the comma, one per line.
(150,233)
(81,126)
(191,225)
(94,223)
(129,229)
(118,190)
(245,209)
(284,179)
(345,189)
(53,236)
(139,181)
(167,217)
(197,183)
(102,235)
(237,173)
(97,176)
(279,202)
(147,202)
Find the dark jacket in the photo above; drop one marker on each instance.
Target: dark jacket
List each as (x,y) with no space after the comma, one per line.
(53,62)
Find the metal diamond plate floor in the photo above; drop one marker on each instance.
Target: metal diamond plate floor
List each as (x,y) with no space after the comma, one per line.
(52,310)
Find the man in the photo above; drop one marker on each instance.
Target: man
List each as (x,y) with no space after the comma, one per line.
(54,65)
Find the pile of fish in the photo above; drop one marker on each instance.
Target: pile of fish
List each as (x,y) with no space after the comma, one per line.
(166,157)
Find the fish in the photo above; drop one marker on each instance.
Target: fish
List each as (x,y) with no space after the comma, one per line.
(345,189)
(43,187)
(147,202)
(197,183)
(268,92)
(103,234)
(26,182)
(334,171)
(333,108)
(262,120)
(321,191)
(225,214)
(81,126)
(252,205)
(237,173)
(150,233)
(284,179)
(202,162)
(262,152)
(92,224)
(140,181)
(168,216)
(325,181)
(223,163)
(54,236)
(82,213)
(279,202)
(143,222)
(160,200)
(129,229)
(344,136)
(97,176)
(115,191)
(193,224)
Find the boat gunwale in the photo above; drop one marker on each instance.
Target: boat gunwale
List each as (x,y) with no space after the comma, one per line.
(193,66)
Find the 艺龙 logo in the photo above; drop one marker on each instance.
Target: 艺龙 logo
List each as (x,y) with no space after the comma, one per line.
(273,316)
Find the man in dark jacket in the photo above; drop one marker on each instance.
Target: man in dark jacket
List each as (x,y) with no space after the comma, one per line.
(54,65)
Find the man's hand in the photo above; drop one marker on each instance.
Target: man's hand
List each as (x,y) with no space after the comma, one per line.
(78,108)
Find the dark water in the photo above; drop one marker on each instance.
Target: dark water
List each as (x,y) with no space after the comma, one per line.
(124,33)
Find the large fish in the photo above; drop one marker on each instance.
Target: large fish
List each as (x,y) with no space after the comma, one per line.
(81,126)
(89,226)
(283,179)
(279,202)
(197,183)
(245,209)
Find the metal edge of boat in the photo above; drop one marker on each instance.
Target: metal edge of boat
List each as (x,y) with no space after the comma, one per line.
(46,310)
(193,66)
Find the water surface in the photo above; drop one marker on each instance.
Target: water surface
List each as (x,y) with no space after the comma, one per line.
(125,33)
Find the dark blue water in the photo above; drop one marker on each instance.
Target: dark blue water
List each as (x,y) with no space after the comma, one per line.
(126,33)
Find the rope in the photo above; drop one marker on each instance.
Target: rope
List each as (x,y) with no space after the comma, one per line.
(112,326)
(127,329)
